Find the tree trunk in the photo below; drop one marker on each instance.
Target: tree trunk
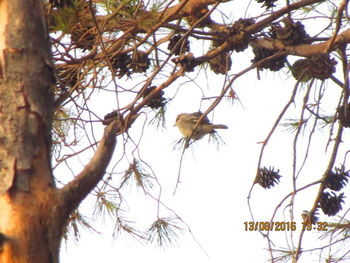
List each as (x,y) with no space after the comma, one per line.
(33,211)
(29,229)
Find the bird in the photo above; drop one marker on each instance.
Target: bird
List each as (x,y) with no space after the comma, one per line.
(186,123)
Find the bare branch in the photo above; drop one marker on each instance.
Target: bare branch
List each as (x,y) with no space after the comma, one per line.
(74,192)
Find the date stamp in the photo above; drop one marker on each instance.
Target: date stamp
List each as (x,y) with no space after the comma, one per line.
(269,226)
(283,226)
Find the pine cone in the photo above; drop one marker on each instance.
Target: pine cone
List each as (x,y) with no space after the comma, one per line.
(344,116)
(139,62)
(273,65)
(290,34)
(157,101)
(267,177)
(336,180)
(309,218)
(221,64)
(238,40)
(181,47)
(319,66)
(300,70)
(108,118)
(322,66)
(120,64)
(267,3)
(197,14)
(186,60)
(330,203)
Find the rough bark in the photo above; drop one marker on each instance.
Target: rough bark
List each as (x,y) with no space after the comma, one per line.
(26,99)
(32,210)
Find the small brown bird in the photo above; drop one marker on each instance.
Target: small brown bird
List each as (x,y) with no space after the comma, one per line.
(187,121)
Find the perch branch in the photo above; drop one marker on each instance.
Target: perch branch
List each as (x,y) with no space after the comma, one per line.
(75,191)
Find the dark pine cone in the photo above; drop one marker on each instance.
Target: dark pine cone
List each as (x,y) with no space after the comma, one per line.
(319,66)
(330,203)
(120,64)
(239,41)
(186,60)
(177,46)
(157,101)
(197,14)
(289,34)
(221,64)
(344,116)
(336,180)
(108,118)
(322,66)
(267,3)
(262,53)
(309,218)
(139,62)
(267,177)
(300,70)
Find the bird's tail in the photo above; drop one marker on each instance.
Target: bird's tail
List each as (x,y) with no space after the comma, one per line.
(219,126)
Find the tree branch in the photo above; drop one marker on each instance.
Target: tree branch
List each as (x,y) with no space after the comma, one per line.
(305,50)
(257,27)
(74,192)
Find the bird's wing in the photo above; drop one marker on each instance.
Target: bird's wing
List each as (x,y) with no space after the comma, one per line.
(205,120)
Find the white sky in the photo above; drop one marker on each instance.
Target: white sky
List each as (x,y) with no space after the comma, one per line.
(212,198)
